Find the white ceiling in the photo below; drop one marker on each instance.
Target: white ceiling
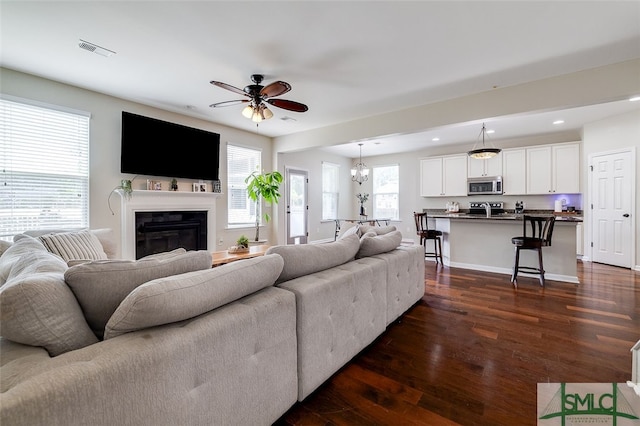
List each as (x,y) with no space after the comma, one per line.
(344,59)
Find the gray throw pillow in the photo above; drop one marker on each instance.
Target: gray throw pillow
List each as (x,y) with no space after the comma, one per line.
(370,245)
(101,285)
(379,230)
(22,245)
(37,307)
(180,297)
(305,259)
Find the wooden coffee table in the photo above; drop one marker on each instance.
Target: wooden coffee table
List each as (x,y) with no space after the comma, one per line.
(222,257)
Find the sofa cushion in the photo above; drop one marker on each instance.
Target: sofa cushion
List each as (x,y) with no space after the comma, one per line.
(74,245)
(370,245)
(4,245)
(304,259)
(379,230)
(101,285)
(22,246)
(180,297)
(37,307)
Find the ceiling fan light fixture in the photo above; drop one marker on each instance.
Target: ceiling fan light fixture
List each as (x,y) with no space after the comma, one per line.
(248,111)
(484,152)
(266,112)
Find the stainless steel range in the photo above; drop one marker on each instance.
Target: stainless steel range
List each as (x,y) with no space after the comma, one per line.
(486,207)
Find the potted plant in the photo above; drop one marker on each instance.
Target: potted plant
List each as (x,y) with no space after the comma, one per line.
(263,186)
(363,199)
(242,245)
(125,187)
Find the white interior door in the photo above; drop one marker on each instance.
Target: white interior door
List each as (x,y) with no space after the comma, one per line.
(297,206)
(611,192)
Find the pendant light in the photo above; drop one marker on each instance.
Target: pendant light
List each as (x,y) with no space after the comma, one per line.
(484,152)
(360,171)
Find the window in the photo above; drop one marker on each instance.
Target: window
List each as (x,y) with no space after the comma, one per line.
(330,190)
(44,166)
(241,162)
(385,192)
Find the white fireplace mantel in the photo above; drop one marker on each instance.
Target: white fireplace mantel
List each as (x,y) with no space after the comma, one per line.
(151,201)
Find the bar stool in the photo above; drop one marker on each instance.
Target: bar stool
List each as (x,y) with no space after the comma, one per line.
(423,231)
(542,230)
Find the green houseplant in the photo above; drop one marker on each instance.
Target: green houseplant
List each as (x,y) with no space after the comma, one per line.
(263,186)
(127,190)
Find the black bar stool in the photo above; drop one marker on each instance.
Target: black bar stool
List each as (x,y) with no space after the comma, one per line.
(423,231)
(542,230)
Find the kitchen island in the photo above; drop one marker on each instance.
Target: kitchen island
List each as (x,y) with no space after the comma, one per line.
(473,241)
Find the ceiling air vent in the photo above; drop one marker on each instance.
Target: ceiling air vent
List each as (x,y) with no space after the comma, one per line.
(95,48)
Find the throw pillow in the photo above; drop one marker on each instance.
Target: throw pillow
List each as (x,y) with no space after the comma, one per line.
(180,297)
(19,248)
(101,285)
(305,259)
(347,229)
(4,245)
(37,307)
(370,246)
(74,245)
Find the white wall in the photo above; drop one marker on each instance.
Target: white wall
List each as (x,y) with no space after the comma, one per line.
(311,161)
(105,145)
(622,131)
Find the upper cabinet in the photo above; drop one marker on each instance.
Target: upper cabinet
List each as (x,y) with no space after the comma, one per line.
(443,176)
(482,168)
(514,166)
(553,169)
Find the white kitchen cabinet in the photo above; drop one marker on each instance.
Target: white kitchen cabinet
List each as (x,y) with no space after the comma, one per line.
(443,176)
(488,167)
(553,169)
(514,168)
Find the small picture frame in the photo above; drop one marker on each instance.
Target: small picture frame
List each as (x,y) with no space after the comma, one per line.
(154,185)
(217,187)
(199,187)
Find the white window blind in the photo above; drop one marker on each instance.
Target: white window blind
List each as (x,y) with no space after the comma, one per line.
(330,190)
(241,162)
(385,192)
(44,161)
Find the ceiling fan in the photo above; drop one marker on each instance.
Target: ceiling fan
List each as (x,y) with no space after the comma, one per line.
(257,95)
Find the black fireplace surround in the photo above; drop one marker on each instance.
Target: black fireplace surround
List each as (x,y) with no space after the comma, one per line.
(157,232)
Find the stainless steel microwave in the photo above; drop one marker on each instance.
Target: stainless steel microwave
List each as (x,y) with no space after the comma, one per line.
(484,185)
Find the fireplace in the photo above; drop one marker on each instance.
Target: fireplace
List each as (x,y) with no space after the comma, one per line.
(165,201)
(161,231)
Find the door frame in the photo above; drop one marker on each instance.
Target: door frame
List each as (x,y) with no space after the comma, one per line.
(300,170)
(589,211)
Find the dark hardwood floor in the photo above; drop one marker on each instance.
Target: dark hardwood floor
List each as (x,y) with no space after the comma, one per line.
(472,351)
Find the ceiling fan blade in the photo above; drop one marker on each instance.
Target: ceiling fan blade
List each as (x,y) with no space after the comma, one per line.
(229,103)
(275,89)
(290,105)
(228,87)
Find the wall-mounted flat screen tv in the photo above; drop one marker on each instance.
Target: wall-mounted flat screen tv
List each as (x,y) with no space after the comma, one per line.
(159,148)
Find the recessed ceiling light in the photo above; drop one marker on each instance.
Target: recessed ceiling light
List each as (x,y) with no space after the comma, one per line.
(635,99)
(435,139)
(558,122)
(490,131)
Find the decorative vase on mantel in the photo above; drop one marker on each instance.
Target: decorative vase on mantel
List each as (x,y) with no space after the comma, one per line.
(363,211)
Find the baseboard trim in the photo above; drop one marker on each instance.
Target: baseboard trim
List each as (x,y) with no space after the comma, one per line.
(508,271)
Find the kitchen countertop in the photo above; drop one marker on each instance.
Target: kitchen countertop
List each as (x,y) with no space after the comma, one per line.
(439,214)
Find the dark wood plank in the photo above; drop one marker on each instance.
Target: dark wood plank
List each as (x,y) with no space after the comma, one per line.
(472,351)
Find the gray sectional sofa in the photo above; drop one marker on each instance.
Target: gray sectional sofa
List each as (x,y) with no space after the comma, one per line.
(184,343)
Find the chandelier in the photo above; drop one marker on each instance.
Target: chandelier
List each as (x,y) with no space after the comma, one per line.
(484,152)
(360,171)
